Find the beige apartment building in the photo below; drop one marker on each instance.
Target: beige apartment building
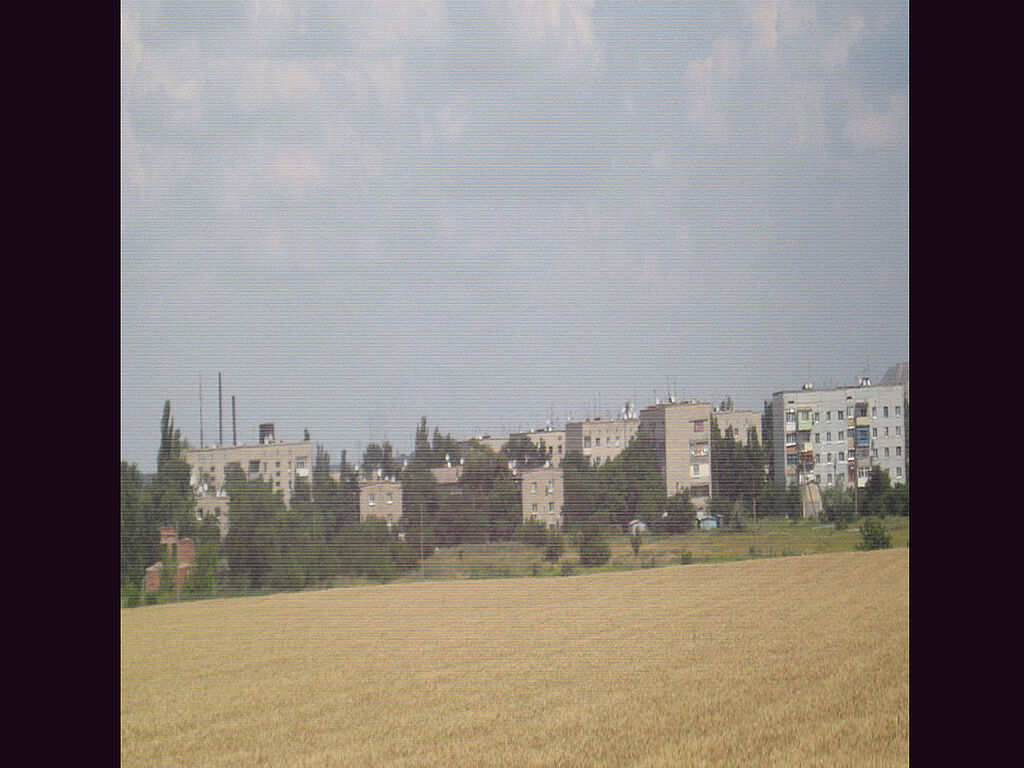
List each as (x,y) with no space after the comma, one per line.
(281,464)
(543,495)
(600,440)
(741,422)
(380,498)
(552,440)
(680,434)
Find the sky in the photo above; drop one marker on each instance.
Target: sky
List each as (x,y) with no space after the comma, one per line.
(499,214)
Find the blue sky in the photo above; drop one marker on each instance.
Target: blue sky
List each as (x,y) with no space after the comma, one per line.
(492,214)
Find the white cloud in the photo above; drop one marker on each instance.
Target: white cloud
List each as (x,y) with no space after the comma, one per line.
(297,171)
(562,26)
(873,129)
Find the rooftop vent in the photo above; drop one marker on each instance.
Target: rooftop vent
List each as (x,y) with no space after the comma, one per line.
(809,385)
(865,381)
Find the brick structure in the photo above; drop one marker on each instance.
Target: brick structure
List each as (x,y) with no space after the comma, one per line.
(181,552)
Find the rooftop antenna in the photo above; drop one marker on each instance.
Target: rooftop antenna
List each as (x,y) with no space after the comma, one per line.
(234,431)
(201,411)
(220,411)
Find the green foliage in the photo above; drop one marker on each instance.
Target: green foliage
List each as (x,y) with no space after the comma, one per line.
(379,457)
(838,506)
(873,533)
(874,497)
(593,549)
(898,501)
(685,557)
(524,452)
(532,533)
(553,547)
(681,516)
(635,542)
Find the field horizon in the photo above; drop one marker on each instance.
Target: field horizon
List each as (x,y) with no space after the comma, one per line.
(787,661)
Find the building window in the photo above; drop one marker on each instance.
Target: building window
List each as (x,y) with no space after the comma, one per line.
(874,411)
(534,509)
(559,449)
(899,450)
(698,426)
(254,467)
(897,410)
(897,431)
(586,441)
(695,470)
(828,415)
(828,458)
(874,432)
(550,488)
(533,487)
(874,453)
(828,437)
(828,478)
(899,471)
(388,498)
(817,437)
(373,499)
(551,506)
(885,411)
(597,442)
(841,435)
(817,479)
(618,441)
(790,417)
(842,456)
(817,458)
(817,416)
(887,453)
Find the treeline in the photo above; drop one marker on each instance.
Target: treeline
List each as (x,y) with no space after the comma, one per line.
(317,538)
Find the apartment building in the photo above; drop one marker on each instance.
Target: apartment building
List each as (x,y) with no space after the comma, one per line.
(380,498)
(548,439)
(542,491)
(600,440)
(834,436)
(281,464)
(741,422)
(680,434)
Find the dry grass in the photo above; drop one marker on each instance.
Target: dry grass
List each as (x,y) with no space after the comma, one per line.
(787,661)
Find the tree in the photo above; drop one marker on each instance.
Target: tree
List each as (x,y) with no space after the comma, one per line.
(593,549)
(172,496)
(876,493)
(681,516)
(379,457)
(634,542)
(873,534)
(140,538)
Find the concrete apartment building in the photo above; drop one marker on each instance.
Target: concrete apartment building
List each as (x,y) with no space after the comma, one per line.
(680,433)
(380,498)
(547,439)
(279,463)
(600,440)
(741,422)
(832,437)
(542,491)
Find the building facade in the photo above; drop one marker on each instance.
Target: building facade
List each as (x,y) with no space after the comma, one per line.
(551,440)
(542,492)
(834,436)
(381,499)
(600,440)
(280,464)
(680,435)
(741,422)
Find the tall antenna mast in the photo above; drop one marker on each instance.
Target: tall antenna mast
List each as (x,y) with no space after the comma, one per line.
(201,411)
(220,411)
(234,433)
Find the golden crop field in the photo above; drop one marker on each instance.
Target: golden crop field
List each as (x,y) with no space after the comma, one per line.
(785,661)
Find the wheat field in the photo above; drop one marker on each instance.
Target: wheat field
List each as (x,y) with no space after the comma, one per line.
(787,661)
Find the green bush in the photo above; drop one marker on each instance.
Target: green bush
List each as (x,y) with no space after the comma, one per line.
(554,547)
(593,549)
(873,533)
(685,557)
